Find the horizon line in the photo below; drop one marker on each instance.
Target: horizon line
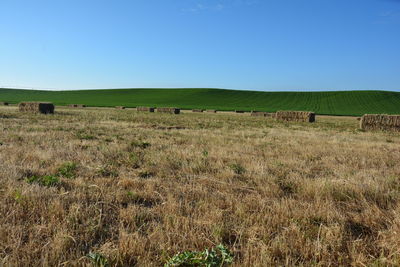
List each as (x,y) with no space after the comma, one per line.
(181,88)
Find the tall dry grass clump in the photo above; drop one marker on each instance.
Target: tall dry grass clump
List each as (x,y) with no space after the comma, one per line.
(380,122)
(36,107)
(169,110)
(297,116)
(145,109)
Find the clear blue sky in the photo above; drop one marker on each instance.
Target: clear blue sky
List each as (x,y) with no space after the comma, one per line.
(243,44)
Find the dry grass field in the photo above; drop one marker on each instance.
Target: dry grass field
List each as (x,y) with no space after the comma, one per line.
(137,188)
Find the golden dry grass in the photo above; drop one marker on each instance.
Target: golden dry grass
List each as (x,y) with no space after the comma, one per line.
(149,185)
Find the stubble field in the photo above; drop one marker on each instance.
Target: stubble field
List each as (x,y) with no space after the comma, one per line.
(137,188)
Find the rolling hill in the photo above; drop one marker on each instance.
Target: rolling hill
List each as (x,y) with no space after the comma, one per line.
(327,103)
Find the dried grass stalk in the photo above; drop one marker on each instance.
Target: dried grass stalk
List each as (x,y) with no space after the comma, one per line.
(299,116)
(36,107)
(380,122)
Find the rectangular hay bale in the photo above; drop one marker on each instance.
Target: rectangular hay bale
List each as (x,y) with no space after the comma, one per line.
(380,122)
(145,109)
(77,106)
(297,116)
(198,110)
(258,114)
(239,111)
(120,107)
(211,110)
(36,107)
(169,110)
(3,103)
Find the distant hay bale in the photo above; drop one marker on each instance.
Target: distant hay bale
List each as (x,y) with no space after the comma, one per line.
(77,106)
(3,103)
(120,107)
(258,114)
(298,116)
(145,109)
(239,111)
(169,110)
(380,122)
(36,107)
(197,110)
(211,110)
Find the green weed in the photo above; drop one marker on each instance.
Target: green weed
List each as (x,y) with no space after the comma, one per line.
(220,256)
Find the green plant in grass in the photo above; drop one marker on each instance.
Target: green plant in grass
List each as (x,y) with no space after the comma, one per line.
(215,257)
(98,259)
(67,170)
(45,180)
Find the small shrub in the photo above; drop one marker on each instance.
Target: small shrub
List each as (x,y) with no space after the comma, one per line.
(237,168)
(98,259)
(46,180)
(67,170)
(220,256)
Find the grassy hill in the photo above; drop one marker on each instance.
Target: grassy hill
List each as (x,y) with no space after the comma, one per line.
(330,103)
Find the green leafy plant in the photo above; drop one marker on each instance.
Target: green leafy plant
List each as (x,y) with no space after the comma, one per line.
(18,197)
(237,168)
(216,257)
(67,170)
(98,259)
(45,180)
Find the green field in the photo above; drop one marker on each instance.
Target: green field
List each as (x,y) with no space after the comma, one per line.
(328,103)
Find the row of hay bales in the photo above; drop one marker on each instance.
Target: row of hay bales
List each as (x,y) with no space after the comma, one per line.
(146,109)
(298,116)
(3,103)
(36,107)
(380,122)
(367,122)
(169,110)
(77,106)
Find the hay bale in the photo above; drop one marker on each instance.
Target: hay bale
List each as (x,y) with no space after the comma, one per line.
(145,109)
(258,114)
(77,106)
(299,116)
(239,111)
(3,103)
(120,107)
(197,110)
(211,110)
(36,107)
(169,110)
(380,122)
